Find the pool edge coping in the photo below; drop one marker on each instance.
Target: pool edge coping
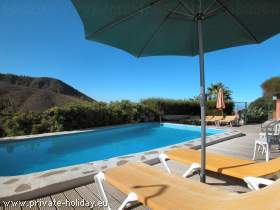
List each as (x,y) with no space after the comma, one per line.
(64,178)
(64,133)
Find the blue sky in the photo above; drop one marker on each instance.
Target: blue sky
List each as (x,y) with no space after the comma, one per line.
(45,38)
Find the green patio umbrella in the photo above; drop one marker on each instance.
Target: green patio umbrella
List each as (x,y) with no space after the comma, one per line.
(179,27)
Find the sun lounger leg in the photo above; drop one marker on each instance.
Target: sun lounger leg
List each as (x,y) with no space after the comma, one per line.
(267,155)
(256,147)
(255,182)
(99,178)
(193,168)
(163,157)
(130,198)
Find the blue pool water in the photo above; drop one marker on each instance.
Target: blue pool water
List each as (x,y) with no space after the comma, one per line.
(22,157)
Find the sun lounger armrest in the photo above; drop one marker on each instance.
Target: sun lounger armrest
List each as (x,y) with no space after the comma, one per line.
(163,157)
(255,182)
(194,167)
(99,178)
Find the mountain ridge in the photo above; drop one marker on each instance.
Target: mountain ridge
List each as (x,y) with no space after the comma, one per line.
(25,93)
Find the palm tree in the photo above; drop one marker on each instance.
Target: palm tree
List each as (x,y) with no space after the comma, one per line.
(213,90)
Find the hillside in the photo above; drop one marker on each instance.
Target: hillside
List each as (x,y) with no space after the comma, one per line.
(21,93)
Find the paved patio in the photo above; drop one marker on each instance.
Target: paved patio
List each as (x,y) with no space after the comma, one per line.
(240,147)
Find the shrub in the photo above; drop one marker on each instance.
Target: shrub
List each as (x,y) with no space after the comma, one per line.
(259,110)
(88,115)
(21,123)
(184,107)
(2,133)
(78,116)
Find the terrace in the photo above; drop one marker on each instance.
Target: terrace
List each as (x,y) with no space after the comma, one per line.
(241,147)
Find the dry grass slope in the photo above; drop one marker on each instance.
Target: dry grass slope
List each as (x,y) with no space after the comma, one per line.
(20,93)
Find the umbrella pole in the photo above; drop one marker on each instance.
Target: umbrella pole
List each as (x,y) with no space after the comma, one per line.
(202,101)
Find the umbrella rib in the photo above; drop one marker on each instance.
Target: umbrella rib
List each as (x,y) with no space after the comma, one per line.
(244,27)
(194,39)
(186,7)
(213,11)
(209,7)
(156,30)
(189,17)
(122,19)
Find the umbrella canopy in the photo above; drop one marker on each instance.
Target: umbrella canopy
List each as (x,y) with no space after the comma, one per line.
(176,27)
(169,27)
(220,100)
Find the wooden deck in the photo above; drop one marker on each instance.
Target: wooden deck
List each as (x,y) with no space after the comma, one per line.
(243,147)
(86,193)
(240,147)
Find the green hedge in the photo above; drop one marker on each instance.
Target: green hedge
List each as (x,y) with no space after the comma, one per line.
(89,115)
(185,107)
(259,110)
(77,116)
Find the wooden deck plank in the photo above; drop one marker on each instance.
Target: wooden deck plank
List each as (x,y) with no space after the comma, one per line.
(73,196)
(86,194)
(60,198)
(28,207)
(114,192)
(10,207)
(114,204)
(118,195)
(45,203)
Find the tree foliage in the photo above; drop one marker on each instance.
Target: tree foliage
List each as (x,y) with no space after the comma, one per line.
(271,87)
(213,90)
(259,109)
(184,107)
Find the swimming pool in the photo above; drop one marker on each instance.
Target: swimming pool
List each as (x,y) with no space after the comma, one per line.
(27,156)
